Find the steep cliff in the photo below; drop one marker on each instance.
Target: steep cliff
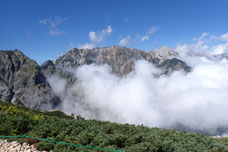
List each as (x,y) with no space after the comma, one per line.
(22,82)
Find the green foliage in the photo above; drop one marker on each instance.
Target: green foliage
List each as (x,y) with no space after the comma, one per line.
(58,113)
(18,120)
(45,146)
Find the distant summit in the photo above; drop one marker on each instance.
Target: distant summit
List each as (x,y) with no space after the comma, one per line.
(164,53)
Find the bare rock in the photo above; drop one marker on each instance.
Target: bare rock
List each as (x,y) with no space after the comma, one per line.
(22,82)
(6,146)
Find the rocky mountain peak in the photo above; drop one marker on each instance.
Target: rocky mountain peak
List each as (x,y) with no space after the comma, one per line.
(164,53)
(21,80)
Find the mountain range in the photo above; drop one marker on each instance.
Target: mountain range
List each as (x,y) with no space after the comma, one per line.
(24,82)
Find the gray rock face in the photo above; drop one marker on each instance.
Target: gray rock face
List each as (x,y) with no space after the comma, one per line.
(6,94)
(49,69)
(22,82)
(120,59)
(174,65)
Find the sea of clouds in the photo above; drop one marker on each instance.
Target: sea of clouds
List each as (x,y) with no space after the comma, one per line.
(196,101)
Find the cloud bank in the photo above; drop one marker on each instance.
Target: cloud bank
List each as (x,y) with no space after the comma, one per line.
(196,101)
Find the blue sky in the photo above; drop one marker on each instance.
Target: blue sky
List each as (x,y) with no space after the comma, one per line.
(45,29)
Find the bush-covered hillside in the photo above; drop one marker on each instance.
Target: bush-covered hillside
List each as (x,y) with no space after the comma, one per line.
(16,120)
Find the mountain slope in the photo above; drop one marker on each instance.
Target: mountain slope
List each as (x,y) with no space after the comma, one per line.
(59,127)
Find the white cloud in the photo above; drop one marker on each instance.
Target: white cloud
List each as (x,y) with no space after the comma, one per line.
(56,32)
(152,30)
(86,46)
(219,49)
(53,24)
(109,29)
(99,36)
(196,100)
(199,46)
(204,45)
(203,35)
(201,40)
(146,37)
(224,37)
(58,85)
(124,41)
(96,38)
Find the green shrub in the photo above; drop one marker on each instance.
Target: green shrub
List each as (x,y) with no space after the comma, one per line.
(18,120)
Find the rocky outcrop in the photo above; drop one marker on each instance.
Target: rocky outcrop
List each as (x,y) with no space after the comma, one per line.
(6,146)
(174,65)
(22,82)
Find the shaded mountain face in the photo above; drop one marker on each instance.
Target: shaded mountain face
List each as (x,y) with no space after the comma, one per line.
(50,69)
(22,82)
